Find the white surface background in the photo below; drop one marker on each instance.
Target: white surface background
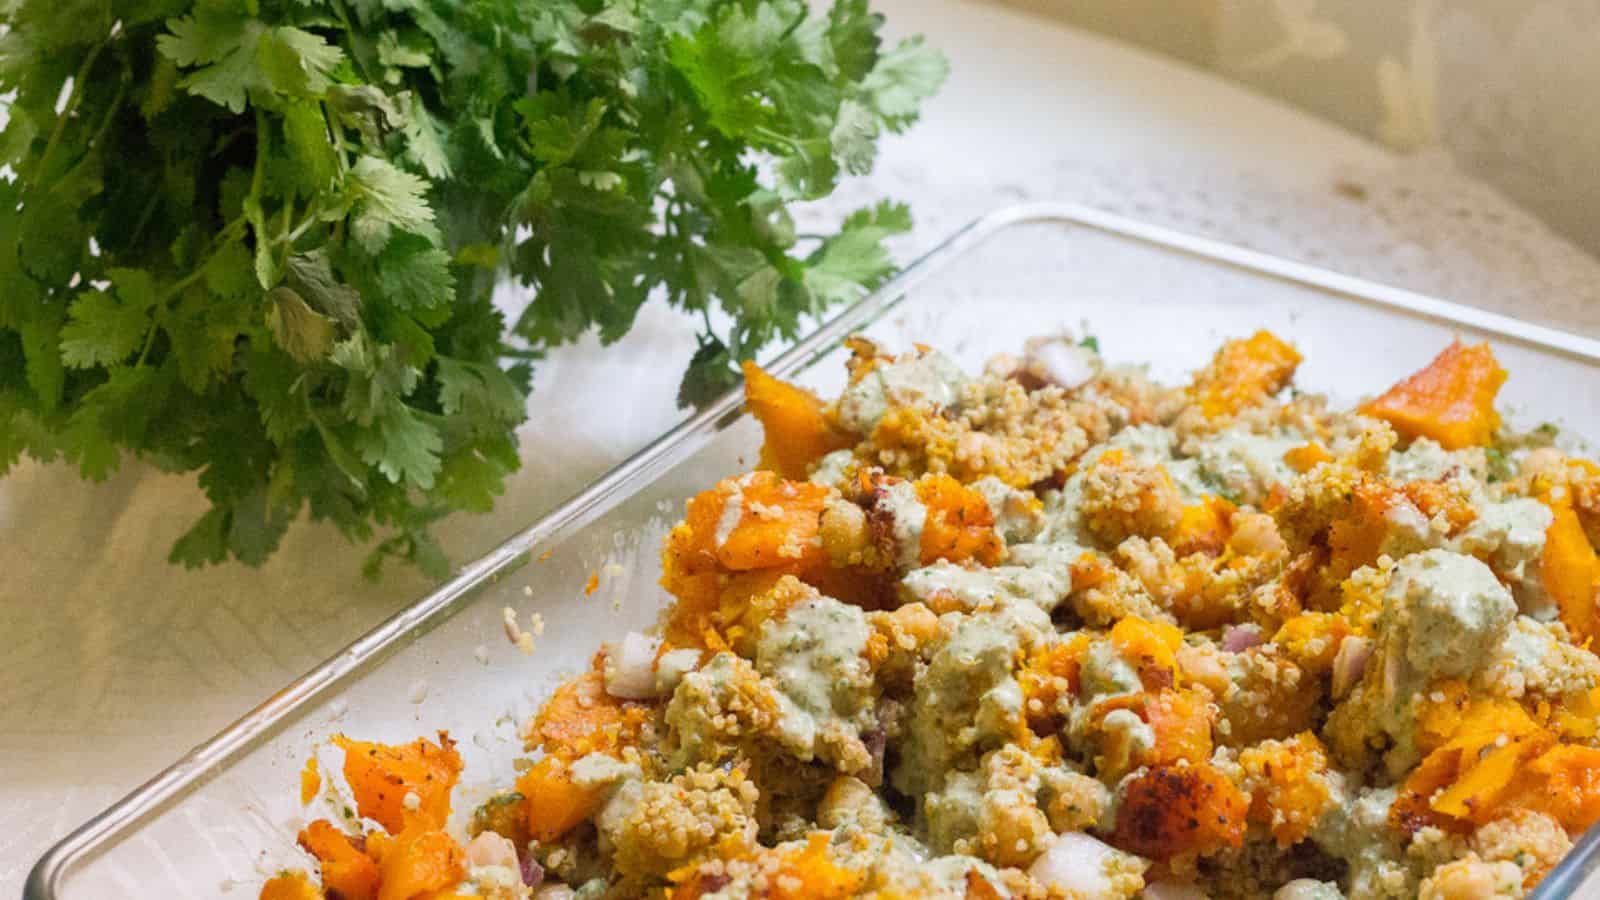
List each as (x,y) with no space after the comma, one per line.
(115,663)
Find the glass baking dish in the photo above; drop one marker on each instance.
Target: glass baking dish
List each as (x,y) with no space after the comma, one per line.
(222,818)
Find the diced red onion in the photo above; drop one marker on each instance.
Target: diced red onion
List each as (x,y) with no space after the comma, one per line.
(1350,663)
(491,849)
(1061,363)
(532,872)
(1239,638)
(1076,864)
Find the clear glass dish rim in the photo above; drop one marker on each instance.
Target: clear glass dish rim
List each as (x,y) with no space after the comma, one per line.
(210,757)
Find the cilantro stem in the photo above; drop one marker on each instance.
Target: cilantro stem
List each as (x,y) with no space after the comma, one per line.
(144,215)
(305,226)
(78,81)
(331,123)
(149,341)
(100,130)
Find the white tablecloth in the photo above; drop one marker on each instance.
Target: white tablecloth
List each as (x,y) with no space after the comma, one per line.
(115,662)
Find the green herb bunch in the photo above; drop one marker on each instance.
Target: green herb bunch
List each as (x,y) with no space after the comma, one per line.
(257,239)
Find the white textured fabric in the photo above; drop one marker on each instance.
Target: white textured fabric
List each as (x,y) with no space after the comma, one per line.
(1510,90)
(115,663)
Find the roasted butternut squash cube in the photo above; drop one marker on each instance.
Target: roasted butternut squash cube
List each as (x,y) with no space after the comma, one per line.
(384,776)
(796,427)
(1451,400)
(1243,373)
(347,871)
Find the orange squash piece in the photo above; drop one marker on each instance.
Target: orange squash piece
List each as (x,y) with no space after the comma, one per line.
(759,521)
(290,886)
(1497,759)
(1451,400)
(1485,786)
(1204,527)
(1356,534)
(797,431)
(1569,569)
(1178,810)
(581,718)
(1567,782)
(1292,798)
(382,775)
(418,862)
(960,525)
(1244,372)
(310,781)
(778,527)
(1312,640)
(1306,457)
(1181,723)
(346,870)
(1050,671)
(808,874)
(554,804)
(1151,648)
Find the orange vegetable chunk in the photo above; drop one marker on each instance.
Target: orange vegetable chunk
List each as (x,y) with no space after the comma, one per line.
(554,804)
(1569,569)
(1244,372)
(1150,648)
(1181,724)
(419,862)
(1569,778)
(581,718)
(1204,527)
(960,525)
(1306,457)
(777,527)
(290,886)
(809,874)
(1178,810)
(346,870)
(310,781)
(382,775)
(797,431)
(1451,400)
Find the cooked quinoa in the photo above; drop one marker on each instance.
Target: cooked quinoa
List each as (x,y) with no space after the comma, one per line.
(1054,630)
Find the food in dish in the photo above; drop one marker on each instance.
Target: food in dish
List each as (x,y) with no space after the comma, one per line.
(1056,630)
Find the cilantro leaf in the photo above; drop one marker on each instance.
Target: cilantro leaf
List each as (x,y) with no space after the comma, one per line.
(902,79)
(402,446)
(257,242)
(102,331)
(387,198)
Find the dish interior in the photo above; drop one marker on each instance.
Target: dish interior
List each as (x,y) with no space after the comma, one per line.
(448,664)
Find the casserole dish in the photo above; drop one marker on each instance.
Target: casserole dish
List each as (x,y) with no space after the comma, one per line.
(222,818)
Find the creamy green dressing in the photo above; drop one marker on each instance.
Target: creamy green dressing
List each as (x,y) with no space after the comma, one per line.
(928,379)
(1243,466)
(951,813)
(1016,516)
(1129,734)
(1510,535)
(909,516)
(956,706)
(1041,585)
(1356,829)
(815,656)
(1448,610)
(1425,460)
(1443,615)
(1146,445)
(833,467)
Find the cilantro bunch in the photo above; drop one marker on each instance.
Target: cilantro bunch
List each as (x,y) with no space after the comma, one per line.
(256,239)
